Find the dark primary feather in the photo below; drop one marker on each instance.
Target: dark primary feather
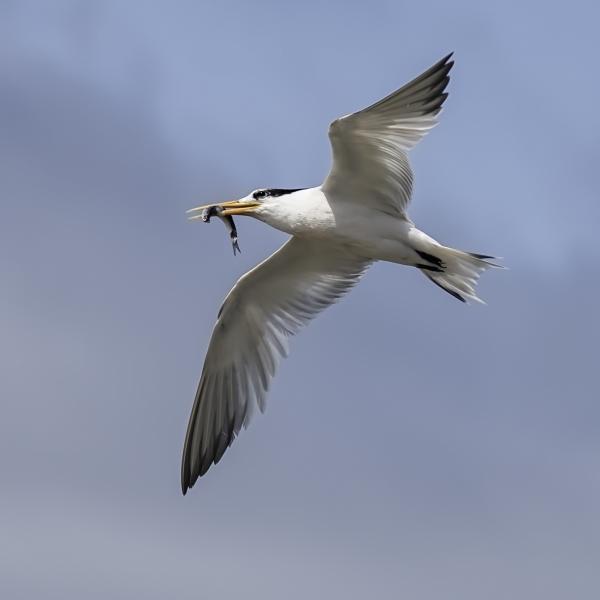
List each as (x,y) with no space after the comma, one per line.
(423,95)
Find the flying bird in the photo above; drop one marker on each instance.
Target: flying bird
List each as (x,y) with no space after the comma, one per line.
(357,216)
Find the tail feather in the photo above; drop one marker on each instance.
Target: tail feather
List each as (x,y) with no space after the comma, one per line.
(455,271)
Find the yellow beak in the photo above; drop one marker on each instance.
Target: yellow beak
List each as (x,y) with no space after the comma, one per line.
(233,207)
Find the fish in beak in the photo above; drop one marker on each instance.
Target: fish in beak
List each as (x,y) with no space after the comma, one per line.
(211,211)
(224,211)
(231,208)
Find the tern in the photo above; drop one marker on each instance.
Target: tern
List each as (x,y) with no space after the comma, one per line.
(357,216)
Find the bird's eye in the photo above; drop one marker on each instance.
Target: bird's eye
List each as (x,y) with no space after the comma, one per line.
(260,194)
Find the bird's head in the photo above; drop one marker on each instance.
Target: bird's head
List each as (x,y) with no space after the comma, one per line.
(250,205)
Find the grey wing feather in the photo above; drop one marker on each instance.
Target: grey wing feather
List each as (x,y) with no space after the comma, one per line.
(370,146)
(265,307)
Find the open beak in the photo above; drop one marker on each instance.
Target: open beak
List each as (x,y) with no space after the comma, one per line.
(234,207)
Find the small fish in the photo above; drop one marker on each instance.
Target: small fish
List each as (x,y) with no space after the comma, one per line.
(211,211)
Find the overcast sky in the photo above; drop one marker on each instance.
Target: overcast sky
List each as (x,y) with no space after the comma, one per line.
(413,447)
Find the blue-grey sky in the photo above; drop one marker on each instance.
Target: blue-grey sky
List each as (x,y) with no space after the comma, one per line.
(413,447)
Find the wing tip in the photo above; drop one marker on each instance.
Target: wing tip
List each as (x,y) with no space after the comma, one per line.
(444,65)
(185,476)
(446,62)
(187,481)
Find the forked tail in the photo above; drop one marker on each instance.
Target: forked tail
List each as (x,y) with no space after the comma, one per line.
(455,271)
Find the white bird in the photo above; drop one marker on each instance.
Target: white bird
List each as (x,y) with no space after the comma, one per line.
(356,217)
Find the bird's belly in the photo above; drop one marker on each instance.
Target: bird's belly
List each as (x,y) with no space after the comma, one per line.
(376,236)
(365,238)
(393,250)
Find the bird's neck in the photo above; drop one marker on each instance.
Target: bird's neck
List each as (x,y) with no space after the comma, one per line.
(305,212)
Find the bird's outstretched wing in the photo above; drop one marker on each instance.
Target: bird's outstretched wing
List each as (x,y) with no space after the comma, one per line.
(266,306)
(370,146)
